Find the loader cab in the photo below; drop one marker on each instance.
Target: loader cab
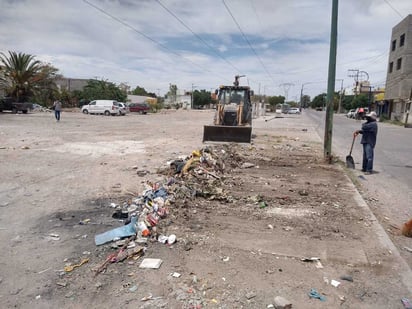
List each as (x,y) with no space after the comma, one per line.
(234,96)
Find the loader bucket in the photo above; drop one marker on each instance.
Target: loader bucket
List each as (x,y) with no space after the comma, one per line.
(227,134)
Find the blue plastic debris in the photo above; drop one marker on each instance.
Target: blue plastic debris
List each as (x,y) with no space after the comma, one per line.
(120,232)
(314,294)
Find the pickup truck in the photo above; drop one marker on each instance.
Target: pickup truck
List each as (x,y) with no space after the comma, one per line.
(7,104)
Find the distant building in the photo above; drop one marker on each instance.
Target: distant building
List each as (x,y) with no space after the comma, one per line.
(70,84)
(131,98)
(182,98)
(399,76)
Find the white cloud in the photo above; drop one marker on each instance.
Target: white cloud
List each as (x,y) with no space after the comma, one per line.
(142,44)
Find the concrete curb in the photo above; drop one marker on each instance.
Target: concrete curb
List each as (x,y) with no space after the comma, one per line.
(403,267)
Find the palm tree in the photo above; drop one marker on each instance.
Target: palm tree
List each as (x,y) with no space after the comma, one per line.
(19,73)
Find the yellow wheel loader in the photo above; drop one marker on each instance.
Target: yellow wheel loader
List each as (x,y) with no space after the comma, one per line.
(233,117)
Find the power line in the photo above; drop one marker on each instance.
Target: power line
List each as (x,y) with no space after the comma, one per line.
(246,39)
(197,36)
(146,36)
(393,8)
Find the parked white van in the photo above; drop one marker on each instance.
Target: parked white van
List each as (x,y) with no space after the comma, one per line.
(106,107)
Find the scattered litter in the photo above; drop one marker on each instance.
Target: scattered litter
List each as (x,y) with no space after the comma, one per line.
(43,271)
(270,226)
(133,288)
(53,236)
(70,268)
(120,214)
(62,284)
(347,278)
(151,263)
(85,221)
(313,259)
(171,239)
(226,259)
(250,295)
(176,275)
(408,249)
(146,298)
(406,303)
(314,294)
(69,294)
(162,238)
(121,232)
(247,165)
(150,297)
(335,283)
(38,296)
(282,303)
(303,193)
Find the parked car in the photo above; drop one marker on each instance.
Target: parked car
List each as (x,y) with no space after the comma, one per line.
(14,107)
(351,114)
(142,108)
(106,107)
(319,108)
(124,109)
(293,110)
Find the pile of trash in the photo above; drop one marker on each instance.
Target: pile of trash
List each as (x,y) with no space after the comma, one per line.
(198,175)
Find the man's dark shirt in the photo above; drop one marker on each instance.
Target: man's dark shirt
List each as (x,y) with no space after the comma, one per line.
(369,131)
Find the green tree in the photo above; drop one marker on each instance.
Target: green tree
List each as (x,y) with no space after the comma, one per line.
(172,93)
(201,98)
(102,90)
(318,101)
(347,102)
(139,91)
(45,89)
(22,76)
(305,101)
(360,101)
(275,100)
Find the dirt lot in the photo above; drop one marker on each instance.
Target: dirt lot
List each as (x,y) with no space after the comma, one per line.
(242,232)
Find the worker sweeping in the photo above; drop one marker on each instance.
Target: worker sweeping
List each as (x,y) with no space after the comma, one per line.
(369,132)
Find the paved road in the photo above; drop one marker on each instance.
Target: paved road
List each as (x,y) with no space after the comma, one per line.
(393,161)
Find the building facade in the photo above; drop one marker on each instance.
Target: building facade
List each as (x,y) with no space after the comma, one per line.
(399,75)
(71,84)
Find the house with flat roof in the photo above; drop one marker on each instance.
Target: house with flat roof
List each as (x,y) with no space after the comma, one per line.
(398,90)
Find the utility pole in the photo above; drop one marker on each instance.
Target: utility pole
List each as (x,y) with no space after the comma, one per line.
(191,97)
(327,148)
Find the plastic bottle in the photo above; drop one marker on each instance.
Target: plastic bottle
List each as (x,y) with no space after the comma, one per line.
(143,229)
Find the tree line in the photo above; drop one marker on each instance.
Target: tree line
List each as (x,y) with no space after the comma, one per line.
(25,79)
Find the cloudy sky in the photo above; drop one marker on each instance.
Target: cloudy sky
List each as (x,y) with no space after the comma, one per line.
(278,44)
